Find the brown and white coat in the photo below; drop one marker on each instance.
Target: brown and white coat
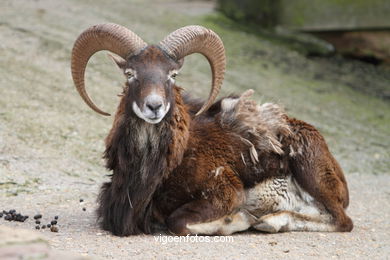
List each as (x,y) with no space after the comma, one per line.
(204,167)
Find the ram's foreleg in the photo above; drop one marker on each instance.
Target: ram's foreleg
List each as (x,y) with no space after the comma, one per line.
(114,211)
(226,225)
(284,221)
(206,215)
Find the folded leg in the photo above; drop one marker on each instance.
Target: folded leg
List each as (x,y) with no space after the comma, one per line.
(283,221)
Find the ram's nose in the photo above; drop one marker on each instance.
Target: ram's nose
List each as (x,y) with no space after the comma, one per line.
(154,106)
(153,110)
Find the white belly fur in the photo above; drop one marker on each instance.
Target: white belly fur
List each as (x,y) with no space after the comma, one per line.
(278,194)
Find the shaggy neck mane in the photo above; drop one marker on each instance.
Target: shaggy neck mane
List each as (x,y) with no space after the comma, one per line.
(140,155)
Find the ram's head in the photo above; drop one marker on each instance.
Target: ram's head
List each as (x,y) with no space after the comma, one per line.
(150,70)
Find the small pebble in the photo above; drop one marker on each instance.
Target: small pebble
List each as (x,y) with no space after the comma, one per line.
(37,227)
(84,209)
(38,216)
(54,229)
(53,222)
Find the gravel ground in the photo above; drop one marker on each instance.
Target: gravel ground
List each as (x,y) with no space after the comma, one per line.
(78,232)
(51,143)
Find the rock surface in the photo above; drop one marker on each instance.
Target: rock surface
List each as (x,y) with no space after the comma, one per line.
(25,244)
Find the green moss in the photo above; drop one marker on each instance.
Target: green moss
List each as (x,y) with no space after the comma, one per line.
(330,93)
(309,14)
(303,43)
(263,12)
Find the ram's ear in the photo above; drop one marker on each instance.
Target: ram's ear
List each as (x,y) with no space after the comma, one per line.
(119,61)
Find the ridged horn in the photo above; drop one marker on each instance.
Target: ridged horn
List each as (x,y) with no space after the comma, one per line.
(197,39)
(110,37)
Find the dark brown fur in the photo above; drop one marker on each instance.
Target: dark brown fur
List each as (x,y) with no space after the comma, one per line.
(125,203)
(318,172)
(198,168)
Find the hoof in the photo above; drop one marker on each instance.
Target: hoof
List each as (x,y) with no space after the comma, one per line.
(265,227)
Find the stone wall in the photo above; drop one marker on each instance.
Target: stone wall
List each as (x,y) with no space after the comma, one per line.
(311,15)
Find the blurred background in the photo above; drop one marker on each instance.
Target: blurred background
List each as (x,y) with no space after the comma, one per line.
(326,62)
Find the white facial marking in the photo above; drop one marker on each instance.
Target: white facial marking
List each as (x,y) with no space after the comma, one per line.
(151,119)
(130,74)
(172,75)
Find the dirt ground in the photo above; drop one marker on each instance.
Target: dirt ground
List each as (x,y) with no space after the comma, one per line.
(79,233)
(51,144)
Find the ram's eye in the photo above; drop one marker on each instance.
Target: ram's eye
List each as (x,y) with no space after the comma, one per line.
(129,74)
(173,74)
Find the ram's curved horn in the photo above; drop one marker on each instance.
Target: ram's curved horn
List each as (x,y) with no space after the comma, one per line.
(197,39)
(110,37)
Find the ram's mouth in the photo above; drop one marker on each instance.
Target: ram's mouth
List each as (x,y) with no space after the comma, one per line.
(153,120)
(150,118)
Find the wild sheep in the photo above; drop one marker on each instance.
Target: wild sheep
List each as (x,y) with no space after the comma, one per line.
(204,168)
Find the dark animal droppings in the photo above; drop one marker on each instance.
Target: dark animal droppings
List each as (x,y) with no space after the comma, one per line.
(38,216)
(84,209)
(38,222)
(53,222)
(12,215)
(56,217)
(37,227)
(81,200)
